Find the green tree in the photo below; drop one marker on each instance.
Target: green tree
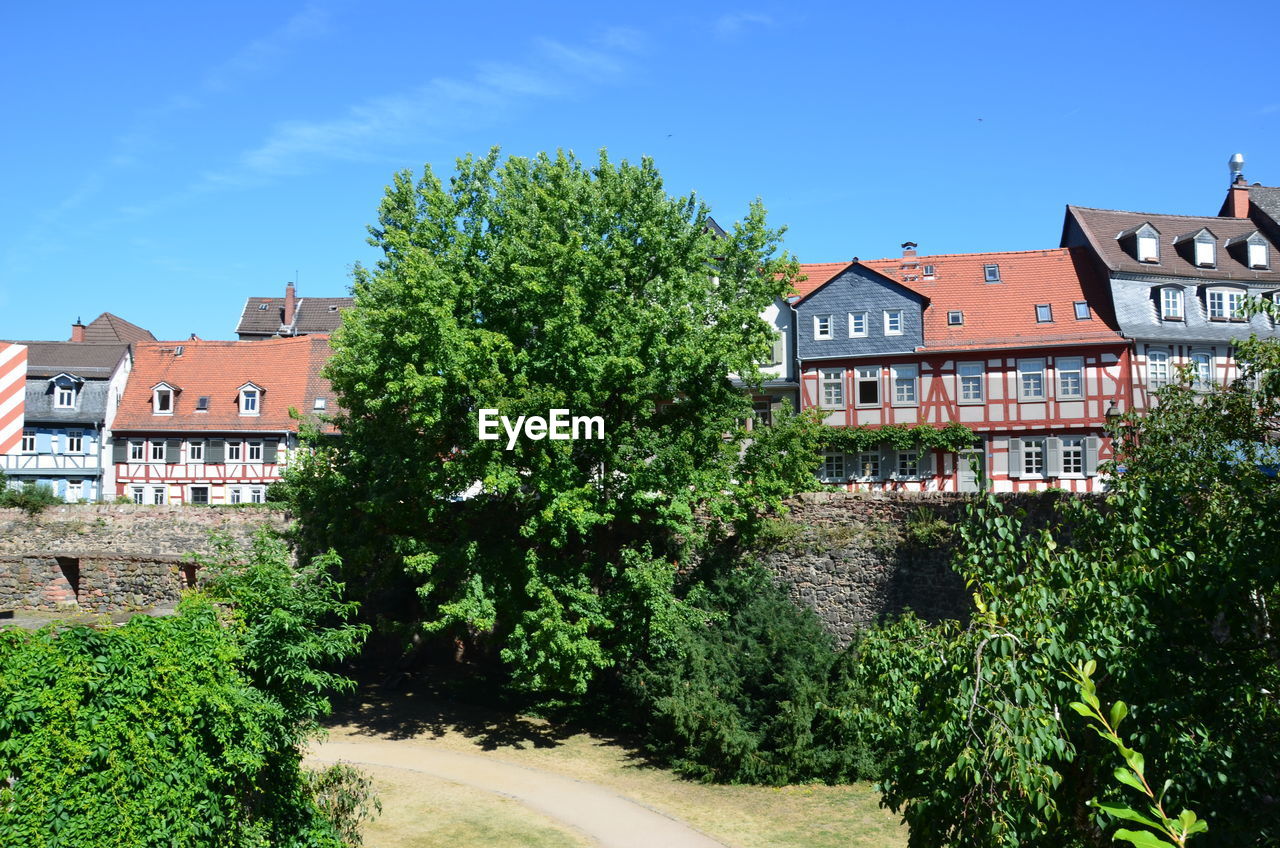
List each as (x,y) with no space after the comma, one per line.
(526,285)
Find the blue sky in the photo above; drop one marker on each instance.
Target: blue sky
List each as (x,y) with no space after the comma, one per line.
(165,161)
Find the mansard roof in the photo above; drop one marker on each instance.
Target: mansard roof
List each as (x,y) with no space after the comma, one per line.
(1003,314)
(288,370)
(90,408)
(264,316)
(82,359)
(1102,229)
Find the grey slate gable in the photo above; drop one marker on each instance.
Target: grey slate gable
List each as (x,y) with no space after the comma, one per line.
(1139,318)
(860,289)
(91,403)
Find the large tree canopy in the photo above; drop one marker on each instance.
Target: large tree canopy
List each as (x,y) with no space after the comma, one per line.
(527,285)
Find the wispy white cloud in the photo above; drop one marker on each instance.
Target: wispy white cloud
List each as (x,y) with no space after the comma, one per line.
(266,53)
(1269,109)
(729,25)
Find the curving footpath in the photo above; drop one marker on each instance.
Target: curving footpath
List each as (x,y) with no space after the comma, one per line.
(610,819)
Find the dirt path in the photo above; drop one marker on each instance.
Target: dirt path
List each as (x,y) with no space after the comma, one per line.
(610,819)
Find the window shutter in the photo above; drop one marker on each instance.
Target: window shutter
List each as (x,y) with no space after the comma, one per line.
(215,451)
(1052,457)
(927,462)
(269,451)
(779,349)
(120,450)
(888,464)
(172,451)
(1091,456)
(1015,459)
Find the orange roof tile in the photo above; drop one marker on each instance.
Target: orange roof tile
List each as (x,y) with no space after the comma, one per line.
(288,370)
(815,274)
(1003,314)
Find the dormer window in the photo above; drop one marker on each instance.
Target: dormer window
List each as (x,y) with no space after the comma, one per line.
(1171,306)
(1251,251)
(1205,252)
(64,397)
(250,399)
(1142,243)
(162,395)
(1199,248)
(1258,255)
(1225,304)
(991,273)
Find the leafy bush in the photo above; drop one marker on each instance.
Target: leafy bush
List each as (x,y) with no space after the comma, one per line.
(32,498)
(926,528)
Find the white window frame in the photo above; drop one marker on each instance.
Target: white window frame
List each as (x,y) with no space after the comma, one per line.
(971,378)
(75,490)
(234,495)
(1158,363)
(1149,248)
(866,374)
(253,452)
(161,401)
(955,318)
(906,384)
(821,328)
(1044,313)
(137,450)
(833,468)
(257,494)
(64,397)
(858,324)
(1064,366)
(138,493)
(1031,368)
(831,388)
(907,464)
(1203,370)
(1224,303)
(893,322)
(195,451)
(208,495)
(1172,304)
(235,450)
(1072,454)
(159,495)
(1082,310)
(250,401)
(1033,457)
(991,273)
(75,441)
(1256,253)
(29,440)
(157,451)
(1205,252)
(869,466)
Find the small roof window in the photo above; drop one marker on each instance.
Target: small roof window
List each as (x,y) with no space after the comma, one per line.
(202,403)
(991,273)
(1082,310)
(1044,313)
(320,404)
(955,317)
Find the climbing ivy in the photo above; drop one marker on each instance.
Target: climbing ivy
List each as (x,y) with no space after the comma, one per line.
(952,437)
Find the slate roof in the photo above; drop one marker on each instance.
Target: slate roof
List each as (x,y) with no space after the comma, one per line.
(91,361)
(1267,200)
(112,329)
(1137,312)
(263,317)
(91,405)
(1003,314)
(1102,226)
(288,370)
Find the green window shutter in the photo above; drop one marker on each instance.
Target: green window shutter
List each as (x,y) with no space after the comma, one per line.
(215,451)
(888,463)
(1015,459)
(1091,456)
(1052,457)
(926,462)
(172,450)
(269,451)
(120,450)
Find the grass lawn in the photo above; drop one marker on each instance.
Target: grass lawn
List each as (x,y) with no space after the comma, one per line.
(415,712)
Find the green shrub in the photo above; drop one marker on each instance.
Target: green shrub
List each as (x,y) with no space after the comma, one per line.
(32,498)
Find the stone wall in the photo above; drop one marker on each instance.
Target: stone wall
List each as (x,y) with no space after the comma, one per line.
(851,557)
(107,557)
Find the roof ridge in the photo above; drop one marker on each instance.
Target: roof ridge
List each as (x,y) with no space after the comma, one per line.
(1041,250)
(1155,214)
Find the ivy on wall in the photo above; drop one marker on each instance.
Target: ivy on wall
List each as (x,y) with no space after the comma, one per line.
(952,437)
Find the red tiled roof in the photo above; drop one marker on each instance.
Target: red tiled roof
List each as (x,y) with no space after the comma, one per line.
(815,274)
(1003,314)
(288,370)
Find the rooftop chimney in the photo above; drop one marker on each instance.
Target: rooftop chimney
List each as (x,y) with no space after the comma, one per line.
(290,304)
(908,249)
(77,331)
(1237,203)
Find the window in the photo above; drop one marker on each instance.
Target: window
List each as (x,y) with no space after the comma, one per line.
(1044,313)
(857,325)
(199,494)
(257,494)
(249,401)
(1257,253)
(136,448)
(777,354)
(868,467)
(762,413)
(1157,369)
(1082,310)
(867,378)
(905,384)
(832,388)
(1030,379)
(64,397)
(157,451)
(202,403)
(955,318)
(1148,246)
(162,401)
(1226,304)
(1070,377)
(1033,457)
(832,468)
(821,327)
(233,451)
(1171,303)
(970,375)
(255,451)
(893,322)
(233,494)
(75,490)
(75,441)
(195,452)
(908,463)
(157,495)
(137,493)
(929,271)
(991,273)
(1201,369)
(1204,251)
(321,403)
(28,441)
(1073,456)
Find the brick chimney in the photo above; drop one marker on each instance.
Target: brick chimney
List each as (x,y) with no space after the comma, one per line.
(290,304)
(909,249)
(77,331)
(1237,203)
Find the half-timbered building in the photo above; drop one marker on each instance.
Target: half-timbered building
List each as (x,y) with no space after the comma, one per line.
(214,422)
(1019,347)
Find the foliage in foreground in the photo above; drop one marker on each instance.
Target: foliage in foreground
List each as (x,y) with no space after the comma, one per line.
(177,731)
(524,286)
(31,497)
